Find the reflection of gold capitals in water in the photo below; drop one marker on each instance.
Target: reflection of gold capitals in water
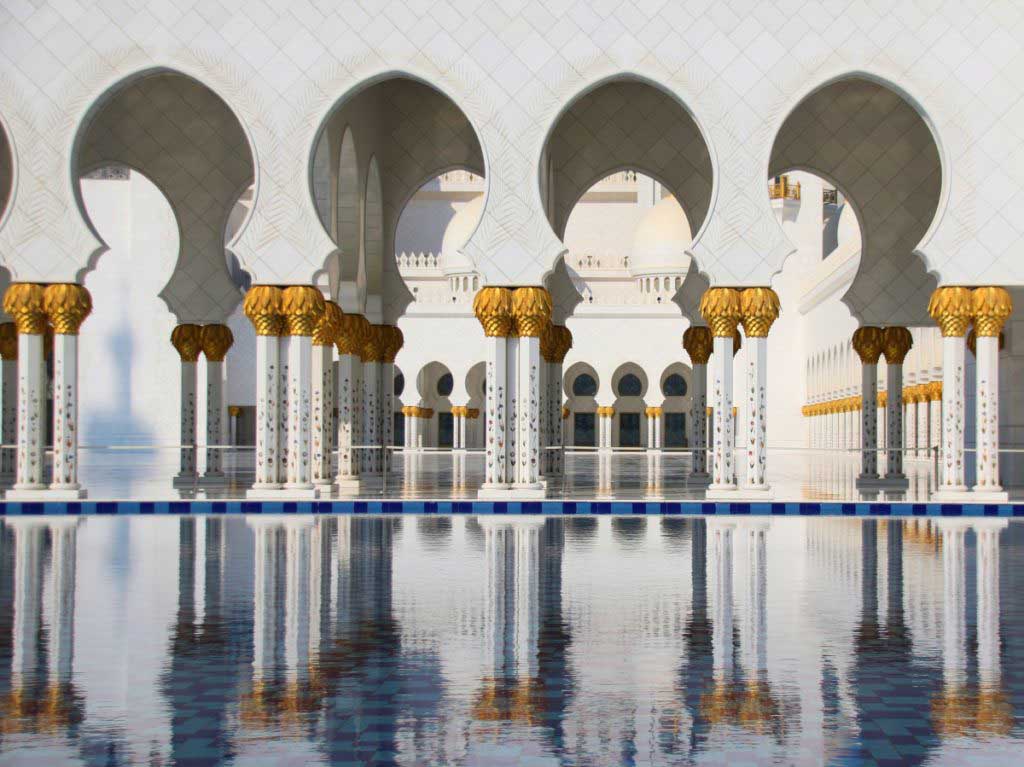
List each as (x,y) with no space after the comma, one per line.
(751,705)
(519,700)
(958,711)
(24,711)
(283,707)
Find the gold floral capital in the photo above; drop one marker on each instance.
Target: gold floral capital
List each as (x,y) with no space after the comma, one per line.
(531,311)
(353,330)
(393,342)
(472,412)
(565,412)
(972,341)
(67,306)
(374,344)
(991,308)
(548,343)
(215,340)
(24,302)
(302,306)
(185,338)
(328,326)
(698,344)
(868,342)
(934,391)
(720,308)
(8,341)
(234,410)
(952,308)
(759,308)
(896,343)
(563,342)
(493,308)
(262,306)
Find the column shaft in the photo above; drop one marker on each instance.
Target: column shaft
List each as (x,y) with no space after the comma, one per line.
(987,413)
(723,473)
(495,452)
(528,412)
(371,417)
(894,418)
(323,408)
(65,413)
(187,464)
(757,410)
(348,418)
(9,416)
(699,419)
(268,416)
(300,375)
(214,417)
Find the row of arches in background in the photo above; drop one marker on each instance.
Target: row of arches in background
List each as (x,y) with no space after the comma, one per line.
(387,137)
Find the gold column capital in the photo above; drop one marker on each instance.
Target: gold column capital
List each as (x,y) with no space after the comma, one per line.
(896,343)
(374,344)
(563,342)
(720,308)
(992,305)
(698,344)
(302,306)
(408,410)
(759,308)
(493,308)
(868,342)
(24,302)
(934,390)
(185,338)
(548,343)
(606,411)
(8,341)
(328,326)
(737,342)
(67,305)
(262,305)
(883,398)
(531,311)
(472,412)
(952,308)
(394,340)
(234,410)
(215,340)
(352,333)
(565,412)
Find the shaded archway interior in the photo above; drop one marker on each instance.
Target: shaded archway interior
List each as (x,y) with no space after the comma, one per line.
(875,146)
(375,150)
(6,172)
(188,142)
(625,123)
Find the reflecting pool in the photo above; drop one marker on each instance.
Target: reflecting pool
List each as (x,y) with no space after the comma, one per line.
(489,640)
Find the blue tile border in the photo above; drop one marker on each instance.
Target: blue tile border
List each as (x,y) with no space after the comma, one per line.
(513,508)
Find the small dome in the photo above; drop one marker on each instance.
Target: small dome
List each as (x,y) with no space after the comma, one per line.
(661,240)
(457,233)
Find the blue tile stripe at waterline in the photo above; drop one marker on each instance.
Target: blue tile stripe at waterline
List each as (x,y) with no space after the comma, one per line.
(513,508)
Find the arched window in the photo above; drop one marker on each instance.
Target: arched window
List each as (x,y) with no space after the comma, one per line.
(445,384)
(674,386)
(630,386)
(399,384)
(584,386)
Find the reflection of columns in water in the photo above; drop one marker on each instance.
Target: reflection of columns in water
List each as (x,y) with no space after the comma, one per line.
(28,595)
(753,634)
(720,556)
(604,474)
(994,712)
(653,475)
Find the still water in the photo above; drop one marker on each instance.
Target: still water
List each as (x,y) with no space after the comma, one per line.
(479,641)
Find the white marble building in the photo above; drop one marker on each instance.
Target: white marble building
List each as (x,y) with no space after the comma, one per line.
(280,145)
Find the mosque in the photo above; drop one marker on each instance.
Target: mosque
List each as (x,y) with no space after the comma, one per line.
(303,246)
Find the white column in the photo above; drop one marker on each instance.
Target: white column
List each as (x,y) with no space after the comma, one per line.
(757,412)
(649,416)
(496,413)
(869,421)
(910,435)
(387,417)
(371,417)
(300,380)
(659,417)
(557,456)
(922,426)
(528,414)
(65,416)
(987,416)
(722,472)
(347,388)
(31,428)
(894,421)
(187,464)
(214,417)
(283,410)
(323,408)
(268,417)
(935,419)
(9,416)
(699,420)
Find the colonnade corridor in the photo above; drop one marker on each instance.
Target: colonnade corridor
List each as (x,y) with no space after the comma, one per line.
(403,639)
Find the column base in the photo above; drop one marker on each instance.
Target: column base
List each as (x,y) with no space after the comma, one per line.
(43,493)
(213,478)
(511,492)
(988,494)
(348,486)
(722,492)
(890,482)
(298,490)
(755,493)
(185,480)
(952,494)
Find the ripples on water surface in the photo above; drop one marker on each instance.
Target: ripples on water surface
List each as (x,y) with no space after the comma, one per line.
(435,640)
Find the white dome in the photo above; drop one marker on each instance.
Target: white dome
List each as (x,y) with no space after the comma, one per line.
(661,240)
(457,233)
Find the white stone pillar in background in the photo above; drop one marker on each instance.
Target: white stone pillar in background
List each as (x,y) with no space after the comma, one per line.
(393,342)
(215,340)
(349,341)
(720,308)
(910,421)
(324,337)
(9,392)
(897,342)
(923,421)
(698,344)
(992,307)
(263,308)
(493,308)
(302,306)
(934,416)
(185,338)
